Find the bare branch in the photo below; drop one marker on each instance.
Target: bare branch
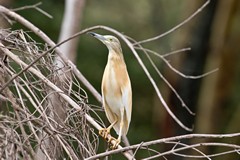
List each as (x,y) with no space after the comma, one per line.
(176,27)
(165,80)
(38,32)
(55,88)
(175,70)
(170,139)
(192,146)
(34,6)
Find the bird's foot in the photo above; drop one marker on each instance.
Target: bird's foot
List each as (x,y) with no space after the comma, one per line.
(104,132)
(113,143)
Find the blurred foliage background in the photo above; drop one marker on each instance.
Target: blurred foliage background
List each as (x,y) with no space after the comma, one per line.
(213,36)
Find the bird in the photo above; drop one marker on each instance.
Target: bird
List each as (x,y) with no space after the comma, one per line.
(116,90)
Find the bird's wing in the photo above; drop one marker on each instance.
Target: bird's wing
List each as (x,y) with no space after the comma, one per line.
(127,100)
(110,115)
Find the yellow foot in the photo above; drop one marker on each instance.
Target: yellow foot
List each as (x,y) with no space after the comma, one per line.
(104,132)
(113,142)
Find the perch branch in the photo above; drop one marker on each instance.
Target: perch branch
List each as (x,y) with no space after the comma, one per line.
(164,140)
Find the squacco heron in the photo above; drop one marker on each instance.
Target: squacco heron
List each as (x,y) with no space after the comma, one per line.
(116,90)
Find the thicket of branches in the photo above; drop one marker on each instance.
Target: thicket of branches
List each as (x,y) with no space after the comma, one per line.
(29,125)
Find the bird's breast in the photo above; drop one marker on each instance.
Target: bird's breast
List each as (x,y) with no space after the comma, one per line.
(111,85)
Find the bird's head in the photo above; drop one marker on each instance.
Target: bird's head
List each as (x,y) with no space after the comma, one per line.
(110,41)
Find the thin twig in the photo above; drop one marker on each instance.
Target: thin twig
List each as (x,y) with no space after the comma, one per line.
(177,71)
(27,7)
(183,50)
(209,155)
(195,149)
(192,146)
(34,6)
(176,27)
(166,81)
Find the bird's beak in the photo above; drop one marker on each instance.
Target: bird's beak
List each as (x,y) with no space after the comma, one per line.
(98,36)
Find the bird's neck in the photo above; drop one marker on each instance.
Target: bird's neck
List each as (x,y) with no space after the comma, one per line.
(115,56)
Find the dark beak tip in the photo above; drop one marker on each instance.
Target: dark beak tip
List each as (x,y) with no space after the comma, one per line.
(91,33)
(98,36)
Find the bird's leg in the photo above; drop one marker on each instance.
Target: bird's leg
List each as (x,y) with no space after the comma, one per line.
(105,131)
(118,140)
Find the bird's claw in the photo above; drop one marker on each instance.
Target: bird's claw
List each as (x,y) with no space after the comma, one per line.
(113,143)
(104,132)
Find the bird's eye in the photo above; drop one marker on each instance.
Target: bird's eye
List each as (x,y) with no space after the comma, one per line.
(110,39)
